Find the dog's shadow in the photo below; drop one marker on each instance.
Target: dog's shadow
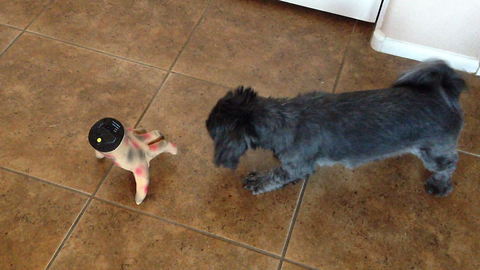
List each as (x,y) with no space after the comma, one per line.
(232,203)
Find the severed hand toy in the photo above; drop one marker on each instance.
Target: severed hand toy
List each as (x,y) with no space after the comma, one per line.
(130,149)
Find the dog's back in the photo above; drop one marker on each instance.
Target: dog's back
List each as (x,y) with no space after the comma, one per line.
(435,77)
(421,109)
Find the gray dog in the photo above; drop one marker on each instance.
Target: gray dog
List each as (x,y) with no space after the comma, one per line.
(419,114)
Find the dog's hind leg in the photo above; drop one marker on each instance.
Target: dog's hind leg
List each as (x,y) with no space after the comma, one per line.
(442,161)
(263,182)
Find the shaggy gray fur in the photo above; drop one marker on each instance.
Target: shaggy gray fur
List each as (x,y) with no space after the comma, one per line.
(419,114)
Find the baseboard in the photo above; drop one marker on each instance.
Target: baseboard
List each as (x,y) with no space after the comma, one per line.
(387,45)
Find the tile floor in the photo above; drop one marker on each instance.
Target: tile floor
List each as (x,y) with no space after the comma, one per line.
(163,64)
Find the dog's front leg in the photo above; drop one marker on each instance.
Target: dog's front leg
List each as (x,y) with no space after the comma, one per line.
(263,182)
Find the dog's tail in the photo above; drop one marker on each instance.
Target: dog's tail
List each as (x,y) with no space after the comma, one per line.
(433,75)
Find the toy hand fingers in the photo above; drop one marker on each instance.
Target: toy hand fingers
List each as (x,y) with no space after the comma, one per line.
(163,146)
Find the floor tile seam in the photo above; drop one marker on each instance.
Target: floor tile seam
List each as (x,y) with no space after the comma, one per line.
(117,56)
(95,50)
(344,56)
(152,99)
(12,26)
(108,53)
(169,71)
(191,228)
(69,233)
(39,179)
(23,29)
(300,264)
(292,222)
(185,44)
(126,58)
(99,185)
(10,44)
(200,79)
(285,259)
(45,7)
(468,153)
(76,221)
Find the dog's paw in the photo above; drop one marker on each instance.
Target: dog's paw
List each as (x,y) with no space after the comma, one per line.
(258,183)
(252,182)
(438,188)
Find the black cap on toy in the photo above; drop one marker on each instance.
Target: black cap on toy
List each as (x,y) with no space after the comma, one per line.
(106,134)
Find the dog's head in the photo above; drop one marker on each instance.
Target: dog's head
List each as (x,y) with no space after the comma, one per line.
(230,125)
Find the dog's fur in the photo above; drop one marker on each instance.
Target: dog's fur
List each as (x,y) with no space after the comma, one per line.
(419,114)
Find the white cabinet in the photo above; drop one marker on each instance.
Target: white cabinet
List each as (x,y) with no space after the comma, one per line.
(365,10)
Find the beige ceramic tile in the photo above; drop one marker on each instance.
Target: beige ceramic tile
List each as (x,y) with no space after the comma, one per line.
(148,31)
(470,137)
(7,35)
(51,95)
(189,189)
(275,47)
(33,221)
(291,266)
(108,237)
(471,99)
(379,217)
(20,13)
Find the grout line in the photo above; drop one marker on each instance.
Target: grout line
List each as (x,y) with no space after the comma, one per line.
(125,58)
(46,181)
(301,264)
(169,71)
(292,222)
(103,180)
(10,44)
(337,79)
(121,57)
(190,36)
(25,28)
(151,100)
(469,153)
(38,15)
(69,232)
(94,50)
(205,233)
(76,221)
(11,26)
(202,80)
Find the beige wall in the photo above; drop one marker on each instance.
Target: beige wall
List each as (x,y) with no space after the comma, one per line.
(452,25)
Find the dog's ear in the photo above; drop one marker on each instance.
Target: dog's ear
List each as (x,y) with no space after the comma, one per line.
(240,108)
(231,126)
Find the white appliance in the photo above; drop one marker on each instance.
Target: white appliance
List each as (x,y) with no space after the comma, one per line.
(364,10)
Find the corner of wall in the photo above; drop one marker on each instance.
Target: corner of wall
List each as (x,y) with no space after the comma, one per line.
(381,43)
(378,38)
